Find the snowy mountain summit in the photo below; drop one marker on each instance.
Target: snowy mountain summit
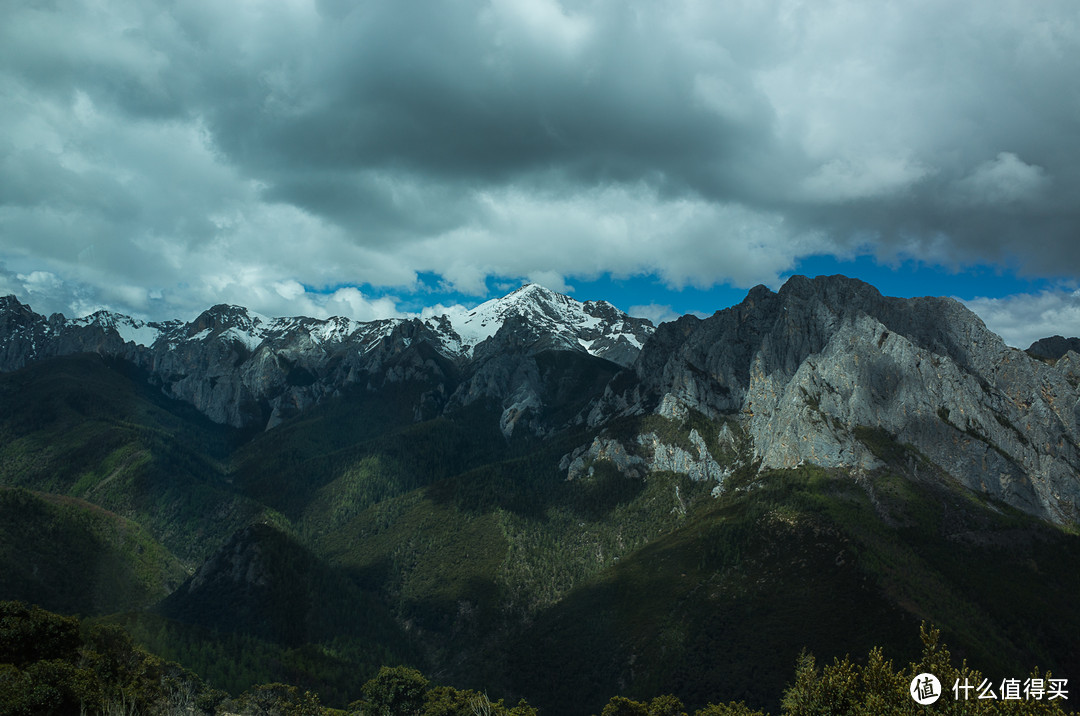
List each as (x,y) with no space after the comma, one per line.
(557,321)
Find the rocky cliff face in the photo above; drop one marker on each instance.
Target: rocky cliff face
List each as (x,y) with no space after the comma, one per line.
(804,368)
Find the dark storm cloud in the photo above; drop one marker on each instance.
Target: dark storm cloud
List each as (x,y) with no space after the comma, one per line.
(200,150)
(479,92)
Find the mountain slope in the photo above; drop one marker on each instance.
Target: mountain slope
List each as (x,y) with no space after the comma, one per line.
(263,583)
(806,559)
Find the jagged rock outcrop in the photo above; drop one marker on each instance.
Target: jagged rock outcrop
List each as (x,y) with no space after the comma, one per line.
(648,453)
(1068,366)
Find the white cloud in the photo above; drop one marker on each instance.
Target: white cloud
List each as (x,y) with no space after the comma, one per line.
(351,302)
(865,177)
(543,24)
(289,289)
(656,313)
(1022,319)
(550,279)
(37,282)
(621,230)
(1003,180)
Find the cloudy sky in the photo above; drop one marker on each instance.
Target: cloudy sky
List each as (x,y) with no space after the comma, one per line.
(369,158)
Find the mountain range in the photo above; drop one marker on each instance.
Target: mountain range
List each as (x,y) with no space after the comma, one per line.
(246,370)
(547,495)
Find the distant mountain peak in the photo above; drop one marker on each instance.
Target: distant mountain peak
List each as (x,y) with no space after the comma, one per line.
(533,290)
(1054,347)
(529,295)
(11,304)
(595,327)
(225,315)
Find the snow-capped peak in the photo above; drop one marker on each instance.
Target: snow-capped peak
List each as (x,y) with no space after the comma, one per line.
(595,327)
(231,322)
(534,292)
(477,325)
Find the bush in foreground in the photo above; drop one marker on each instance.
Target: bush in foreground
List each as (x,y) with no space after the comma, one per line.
(51,665)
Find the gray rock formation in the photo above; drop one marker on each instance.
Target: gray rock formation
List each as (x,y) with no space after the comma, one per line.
(648,453)
(802,369)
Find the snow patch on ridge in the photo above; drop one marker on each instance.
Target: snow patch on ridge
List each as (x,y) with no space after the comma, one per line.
(249,338)
(334,330)
(131,330)
(137,332)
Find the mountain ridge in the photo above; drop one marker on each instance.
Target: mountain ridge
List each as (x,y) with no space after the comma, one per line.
(244,369)
(462,330)
(800,371)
